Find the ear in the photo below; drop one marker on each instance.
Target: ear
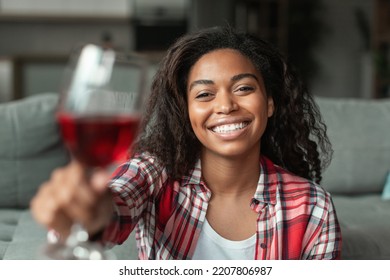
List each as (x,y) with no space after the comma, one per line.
(270,107)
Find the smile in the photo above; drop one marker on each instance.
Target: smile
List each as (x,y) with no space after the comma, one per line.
(228,128)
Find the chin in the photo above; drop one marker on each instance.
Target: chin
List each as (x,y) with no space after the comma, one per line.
(235,151)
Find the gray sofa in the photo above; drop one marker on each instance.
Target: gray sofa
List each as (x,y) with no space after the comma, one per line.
(360,133)
(30,148)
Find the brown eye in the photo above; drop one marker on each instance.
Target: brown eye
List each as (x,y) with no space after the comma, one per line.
(245,88)
(204,96)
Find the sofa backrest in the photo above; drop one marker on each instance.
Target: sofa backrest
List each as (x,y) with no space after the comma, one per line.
(360,134)
(30,147)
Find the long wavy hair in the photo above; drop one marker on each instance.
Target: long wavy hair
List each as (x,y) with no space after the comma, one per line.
(295,137)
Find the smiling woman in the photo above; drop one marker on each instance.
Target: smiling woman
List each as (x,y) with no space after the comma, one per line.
(228,111)
(227,165)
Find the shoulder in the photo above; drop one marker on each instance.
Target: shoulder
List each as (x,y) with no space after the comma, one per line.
(295,189)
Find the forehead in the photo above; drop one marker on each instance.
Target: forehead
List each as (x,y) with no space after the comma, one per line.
(222,62)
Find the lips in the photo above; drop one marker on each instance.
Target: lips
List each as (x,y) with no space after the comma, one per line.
(229,128)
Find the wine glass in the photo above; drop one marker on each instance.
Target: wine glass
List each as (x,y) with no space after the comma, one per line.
(99,113)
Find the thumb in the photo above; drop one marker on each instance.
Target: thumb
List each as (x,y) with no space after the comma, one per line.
(99,181)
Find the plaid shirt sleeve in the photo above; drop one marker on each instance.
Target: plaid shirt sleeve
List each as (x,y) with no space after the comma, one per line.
(132,186)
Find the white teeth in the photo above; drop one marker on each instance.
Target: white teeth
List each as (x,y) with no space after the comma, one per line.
(227,128)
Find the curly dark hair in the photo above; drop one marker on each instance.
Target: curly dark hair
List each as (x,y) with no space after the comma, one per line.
(295,137)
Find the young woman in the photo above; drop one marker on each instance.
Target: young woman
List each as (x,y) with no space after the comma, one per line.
(227,164)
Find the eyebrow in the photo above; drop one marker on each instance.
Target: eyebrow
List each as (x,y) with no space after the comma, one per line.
(242,76)
(235,78)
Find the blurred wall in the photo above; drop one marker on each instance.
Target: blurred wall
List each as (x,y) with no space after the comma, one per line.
(345,69)
(206,13)
(344,65)
(59,37)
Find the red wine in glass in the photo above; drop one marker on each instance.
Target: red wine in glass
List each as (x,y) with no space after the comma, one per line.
(102,97)
(98,141)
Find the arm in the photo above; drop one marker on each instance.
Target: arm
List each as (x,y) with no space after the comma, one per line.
(131,188)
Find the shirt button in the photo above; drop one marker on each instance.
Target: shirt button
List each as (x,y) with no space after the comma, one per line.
(263,245)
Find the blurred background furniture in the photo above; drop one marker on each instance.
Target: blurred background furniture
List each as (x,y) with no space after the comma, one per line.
(360,134)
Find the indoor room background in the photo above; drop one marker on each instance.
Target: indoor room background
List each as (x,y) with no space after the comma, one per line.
(338,46)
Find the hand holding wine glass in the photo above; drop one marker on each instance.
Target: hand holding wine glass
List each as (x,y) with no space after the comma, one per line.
(99,113)
(69,198)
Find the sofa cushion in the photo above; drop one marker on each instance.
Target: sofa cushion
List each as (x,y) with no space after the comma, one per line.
(21,237)
(30,147)
(360,134)
(365,226)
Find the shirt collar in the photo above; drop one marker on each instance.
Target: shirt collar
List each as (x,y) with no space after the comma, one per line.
(267,185)
(269,182)
(194,178)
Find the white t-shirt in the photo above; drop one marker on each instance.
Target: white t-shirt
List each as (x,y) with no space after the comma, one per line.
(212,246)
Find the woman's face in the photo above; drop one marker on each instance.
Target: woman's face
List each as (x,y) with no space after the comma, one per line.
(227,103)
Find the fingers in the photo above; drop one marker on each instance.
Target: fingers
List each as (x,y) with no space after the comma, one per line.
(46,211)
(70,197)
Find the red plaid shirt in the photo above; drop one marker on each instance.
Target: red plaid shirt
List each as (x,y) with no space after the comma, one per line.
(296,217)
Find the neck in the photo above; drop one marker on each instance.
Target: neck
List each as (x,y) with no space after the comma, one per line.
(231,176)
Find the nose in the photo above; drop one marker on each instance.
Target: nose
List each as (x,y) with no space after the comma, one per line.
(225,103)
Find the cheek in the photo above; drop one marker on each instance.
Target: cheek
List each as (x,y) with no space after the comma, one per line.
(197,115)
(257,106)
(262,113)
